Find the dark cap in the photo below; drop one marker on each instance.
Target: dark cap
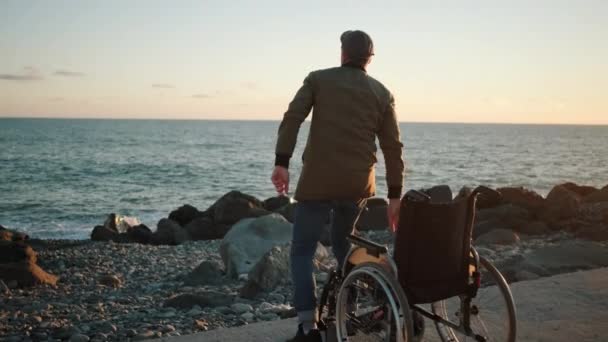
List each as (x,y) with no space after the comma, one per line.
(357,44)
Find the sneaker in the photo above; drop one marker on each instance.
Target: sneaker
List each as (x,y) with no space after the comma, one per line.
(313,336)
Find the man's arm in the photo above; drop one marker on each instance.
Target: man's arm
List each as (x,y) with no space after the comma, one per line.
(392,148)
(298,110)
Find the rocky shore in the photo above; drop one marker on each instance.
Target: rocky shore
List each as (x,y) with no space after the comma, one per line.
(228,265)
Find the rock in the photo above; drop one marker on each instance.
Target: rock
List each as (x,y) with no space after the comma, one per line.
(144,335)
(184,214)
(498,237)
(248,316)
(139,234)
(79,338)
(569,256)
(202,299)
(110,222)
(168,329)
(201,324)
(288,212)
(250,239)
(12,235)
(110,281)
(169,232)
(203,228)
(581,190)
(102,233)
(597,196)
(239,308)
(274,203)
(25,274)
(560,204)
(235,206)
(206,273)
(374,216)
(272,269)
(505,216)
(250,290)
(16,252)
(522,197)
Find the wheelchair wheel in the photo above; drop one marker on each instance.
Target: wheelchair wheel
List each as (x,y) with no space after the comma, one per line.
(371,306)
(492,311)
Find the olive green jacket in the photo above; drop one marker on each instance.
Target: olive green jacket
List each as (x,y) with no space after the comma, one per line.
(350,109)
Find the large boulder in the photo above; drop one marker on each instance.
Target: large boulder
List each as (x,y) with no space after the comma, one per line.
(139,234)
(247,241)
(273,269)
(561,204)
(506,216)
(169,232)
(288,212)
(107,232)
(184,214)
(594,232)
(374,216)
(235,206)
(569,256)
(498,237)
(522,197)
(581,190)
(274,203)
(597,196)
(203,228)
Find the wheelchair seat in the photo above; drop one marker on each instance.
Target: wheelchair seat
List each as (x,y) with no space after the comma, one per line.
(433,245)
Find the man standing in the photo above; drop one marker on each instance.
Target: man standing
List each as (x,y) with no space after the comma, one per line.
(350,109)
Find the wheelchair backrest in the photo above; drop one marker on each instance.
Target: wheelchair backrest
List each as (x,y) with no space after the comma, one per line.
(432,247)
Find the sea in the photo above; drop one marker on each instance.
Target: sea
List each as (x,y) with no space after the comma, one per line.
(61,177)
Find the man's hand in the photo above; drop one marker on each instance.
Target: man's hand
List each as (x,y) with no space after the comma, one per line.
(280,179)
(393,213)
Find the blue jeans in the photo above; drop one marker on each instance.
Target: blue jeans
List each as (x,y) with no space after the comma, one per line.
(310,219)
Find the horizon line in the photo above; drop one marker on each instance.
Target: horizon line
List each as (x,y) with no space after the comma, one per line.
(278,120)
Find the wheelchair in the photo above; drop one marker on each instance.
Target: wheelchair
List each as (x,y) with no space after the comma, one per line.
(434,272)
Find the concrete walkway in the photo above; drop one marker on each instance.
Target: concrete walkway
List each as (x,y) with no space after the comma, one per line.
(567,307)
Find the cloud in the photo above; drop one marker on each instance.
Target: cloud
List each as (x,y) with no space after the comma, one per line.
(28,74)
(201,96)
(68,73)
(163,85)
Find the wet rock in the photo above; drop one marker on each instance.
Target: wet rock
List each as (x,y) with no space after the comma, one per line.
(206,273)
(235,206)
(139,234)
(185,214)
(274,203)
(102,233)
(560,204)
(203,228)
(597,196)
(581,190)
(248,241)
(498,237)
(522,197)
(169,232)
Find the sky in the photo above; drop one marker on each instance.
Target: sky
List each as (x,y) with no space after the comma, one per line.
(541,61)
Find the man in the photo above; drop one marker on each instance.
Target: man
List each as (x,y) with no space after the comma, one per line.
(350,109)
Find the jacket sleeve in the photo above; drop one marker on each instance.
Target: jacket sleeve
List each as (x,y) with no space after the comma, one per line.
(392,148)
(298,110)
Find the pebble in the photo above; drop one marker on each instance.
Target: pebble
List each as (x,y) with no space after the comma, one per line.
(248,316)
(79,338)
(240,308)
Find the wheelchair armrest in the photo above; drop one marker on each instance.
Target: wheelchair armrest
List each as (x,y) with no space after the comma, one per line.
(372,248)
